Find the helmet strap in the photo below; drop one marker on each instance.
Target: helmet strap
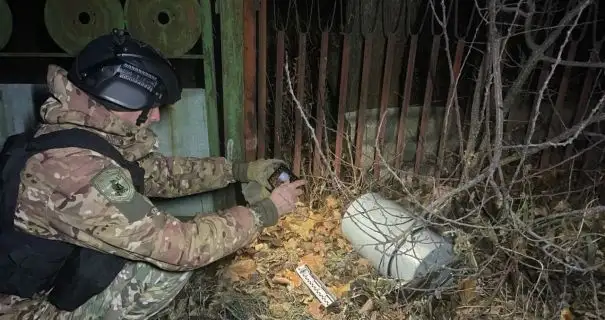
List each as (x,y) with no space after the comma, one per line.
(143,117)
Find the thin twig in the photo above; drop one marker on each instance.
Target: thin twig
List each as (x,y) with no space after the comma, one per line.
(335,180)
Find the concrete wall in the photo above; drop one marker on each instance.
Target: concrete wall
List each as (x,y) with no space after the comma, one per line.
(391,123)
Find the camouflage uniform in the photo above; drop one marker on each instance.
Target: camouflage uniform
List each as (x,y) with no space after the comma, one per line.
(66,194)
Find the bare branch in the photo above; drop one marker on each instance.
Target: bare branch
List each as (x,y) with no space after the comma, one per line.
(494,55)
(579,128)
(337,183)
(514,10)
(580,64)
(538,51)
(536,108)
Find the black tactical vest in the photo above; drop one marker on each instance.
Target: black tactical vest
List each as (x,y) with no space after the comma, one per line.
(31,264)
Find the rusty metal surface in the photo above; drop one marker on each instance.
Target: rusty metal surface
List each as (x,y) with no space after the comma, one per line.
(555,125)
(384,98)
(262,78)
(74,23)
(321,102)
(452,95)
(250,81)
(172,26)
(405,102)
(6,23)
(363,99)
(342,102)
(300,95)
(428,96)
(279,92)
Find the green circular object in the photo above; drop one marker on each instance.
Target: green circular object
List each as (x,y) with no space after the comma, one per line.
(74,23)
(171,26)
(6,23)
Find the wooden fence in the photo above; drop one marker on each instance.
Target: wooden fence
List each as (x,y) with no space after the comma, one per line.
(408,87)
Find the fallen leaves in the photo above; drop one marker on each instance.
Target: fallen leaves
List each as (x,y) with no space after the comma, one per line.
(340,290)
(566,314)
(305,237)
(314,262)
(303,228)
(279,310)
(241,270)
(467,291)
(291,244)
(314,309)
(288,278)
(331,202)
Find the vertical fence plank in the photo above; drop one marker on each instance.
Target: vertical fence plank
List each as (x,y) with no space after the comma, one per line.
(405,102)
(262,78)
(473,121)
(541,82)
(279,92)
(222,198)
(582,102)
(363,98)
(546,156)
(451,96)
(590,159)
(384,99)
(300,95)
(250,125)
(321,101)
(342,102)
(210,78)
(428,98)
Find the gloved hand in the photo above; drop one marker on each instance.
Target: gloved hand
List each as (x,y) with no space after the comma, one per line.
(281,201)
(258,170)
(253,192)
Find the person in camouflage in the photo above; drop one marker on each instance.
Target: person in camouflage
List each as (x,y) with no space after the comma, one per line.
(66,194)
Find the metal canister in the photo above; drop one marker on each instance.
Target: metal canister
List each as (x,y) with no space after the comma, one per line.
(396,242)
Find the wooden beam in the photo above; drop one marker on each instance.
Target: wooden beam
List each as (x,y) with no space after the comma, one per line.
(232,53)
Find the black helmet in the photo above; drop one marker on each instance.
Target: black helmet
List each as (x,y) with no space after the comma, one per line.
(125,73)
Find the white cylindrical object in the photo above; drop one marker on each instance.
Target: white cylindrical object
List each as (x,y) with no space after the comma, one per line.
(394,240)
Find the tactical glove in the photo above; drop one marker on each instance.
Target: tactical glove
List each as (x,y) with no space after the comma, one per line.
(253,192)
(259,171)
(281,201)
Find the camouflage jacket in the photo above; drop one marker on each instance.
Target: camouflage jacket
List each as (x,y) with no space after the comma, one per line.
(64,193)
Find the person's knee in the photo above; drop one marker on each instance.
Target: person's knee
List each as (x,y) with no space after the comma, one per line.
(157,289)
(139,291)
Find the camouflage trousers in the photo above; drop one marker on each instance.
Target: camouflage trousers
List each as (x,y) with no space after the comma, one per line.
(139,291)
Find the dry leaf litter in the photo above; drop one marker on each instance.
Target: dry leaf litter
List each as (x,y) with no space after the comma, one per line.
(260,281)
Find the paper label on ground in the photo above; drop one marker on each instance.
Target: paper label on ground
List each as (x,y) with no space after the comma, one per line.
(319,289)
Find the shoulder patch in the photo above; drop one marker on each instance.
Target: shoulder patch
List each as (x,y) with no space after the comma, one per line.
(114,184)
